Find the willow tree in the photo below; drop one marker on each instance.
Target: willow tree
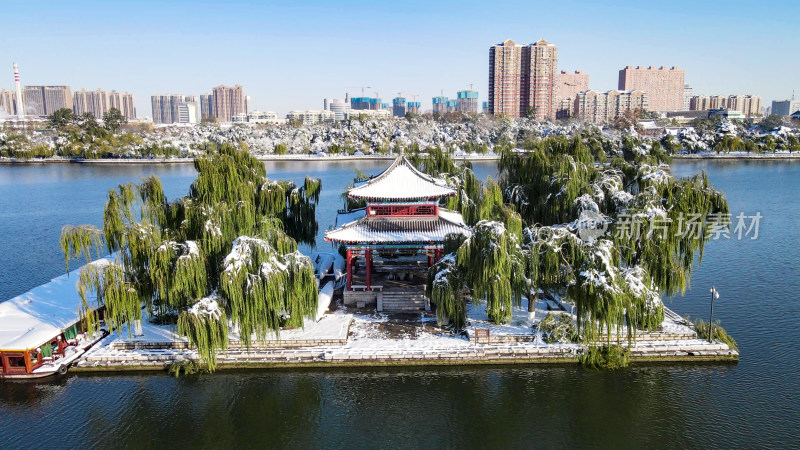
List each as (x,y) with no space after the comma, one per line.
(183,258)
(614,279)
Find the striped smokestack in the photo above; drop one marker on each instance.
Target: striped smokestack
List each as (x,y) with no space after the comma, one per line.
(20,105)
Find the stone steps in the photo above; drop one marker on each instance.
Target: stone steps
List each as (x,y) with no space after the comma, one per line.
(404,301)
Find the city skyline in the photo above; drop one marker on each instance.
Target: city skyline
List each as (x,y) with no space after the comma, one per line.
(307,55)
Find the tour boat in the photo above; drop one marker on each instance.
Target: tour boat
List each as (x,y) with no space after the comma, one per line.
(42,332)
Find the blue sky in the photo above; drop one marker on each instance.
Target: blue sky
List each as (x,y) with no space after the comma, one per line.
(289,55)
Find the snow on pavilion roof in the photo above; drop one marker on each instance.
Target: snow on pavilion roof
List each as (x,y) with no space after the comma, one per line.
(33,318)
(398,230)
(402,181)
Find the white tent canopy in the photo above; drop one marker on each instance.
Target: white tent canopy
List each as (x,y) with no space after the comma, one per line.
(33,318)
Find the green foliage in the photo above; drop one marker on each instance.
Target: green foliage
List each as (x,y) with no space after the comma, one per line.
(771,122)
(445,288)
(206,326)
(15,144)
(77,241)
(171,255)
(60,118)
(559,329)
(704,329)
(281,149)
(490,263)
(188,367)
(609,357)
(113,120)
(267,287)
(525,236)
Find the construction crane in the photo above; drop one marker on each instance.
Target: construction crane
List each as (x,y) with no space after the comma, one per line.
(362,89)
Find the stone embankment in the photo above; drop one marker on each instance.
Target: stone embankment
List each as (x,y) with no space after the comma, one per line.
(376,340)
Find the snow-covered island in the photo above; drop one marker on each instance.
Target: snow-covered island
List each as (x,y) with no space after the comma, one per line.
(470,136)
(433,264)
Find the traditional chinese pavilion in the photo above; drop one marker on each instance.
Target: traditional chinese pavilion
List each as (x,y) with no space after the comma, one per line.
(395,238)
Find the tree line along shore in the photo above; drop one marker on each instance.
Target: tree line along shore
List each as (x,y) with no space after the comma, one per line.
(82,138)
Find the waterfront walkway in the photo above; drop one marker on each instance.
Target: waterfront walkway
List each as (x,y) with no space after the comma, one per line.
(379,339)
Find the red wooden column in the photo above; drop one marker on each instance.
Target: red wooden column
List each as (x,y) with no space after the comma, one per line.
(349,269)
(438,255)
(368,258)
(430,260)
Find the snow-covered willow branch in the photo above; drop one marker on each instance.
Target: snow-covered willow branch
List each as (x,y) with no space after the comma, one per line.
(172,255)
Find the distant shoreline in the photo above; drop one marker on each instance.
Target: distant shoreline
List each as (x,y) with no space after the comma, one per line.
(745,156)
(492,157)
(15,161)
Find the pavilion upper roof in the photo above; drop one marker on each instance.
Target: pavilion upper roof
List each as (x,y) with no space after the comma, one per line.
(402,181)
(399,230)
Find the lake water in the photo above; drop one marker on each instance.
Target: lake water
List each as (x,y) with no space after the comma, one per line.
(752,403)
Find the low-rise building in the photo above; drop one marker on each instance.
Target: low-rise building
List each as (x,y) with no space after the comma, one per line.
(726,113)
(258,117)
(311,117)
(605,107)
(785,107)
(339,106)
(375,114)
(187,112)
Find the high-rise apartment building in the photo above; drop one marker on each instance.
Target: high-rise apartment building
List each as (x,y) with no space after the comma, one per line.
(717,102)
(699,103)
(228,102)
(522,79)
(206,106)
(748,105)
(44,100)
(539,64)
(8,102)
(605,107)
(413,107)
(399,108)
(567,87)
(440,104)
(785,107)
(96,102)
(505,79)
(123,102)
(687,97)
(664,87)
(569,84)
(165,107)
(365,103)
(467,101)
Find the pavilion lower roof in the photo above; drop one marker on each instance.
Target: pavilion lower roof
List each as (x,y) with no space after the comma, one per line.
(396,230)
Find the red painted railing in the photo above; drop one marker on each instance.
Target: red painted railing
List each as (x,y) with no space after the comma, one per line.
(402,210)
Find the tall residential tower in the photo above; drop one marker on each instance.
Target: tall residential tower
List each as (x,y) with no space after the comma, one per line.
(228,102)
(664,87)
(522,79)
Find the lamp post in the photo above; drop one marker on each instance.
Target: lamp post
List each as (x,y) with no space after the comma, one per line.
(714,294)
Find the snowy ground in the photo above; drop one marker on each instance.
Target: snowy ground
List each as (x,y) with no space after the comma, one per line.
(381,337)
